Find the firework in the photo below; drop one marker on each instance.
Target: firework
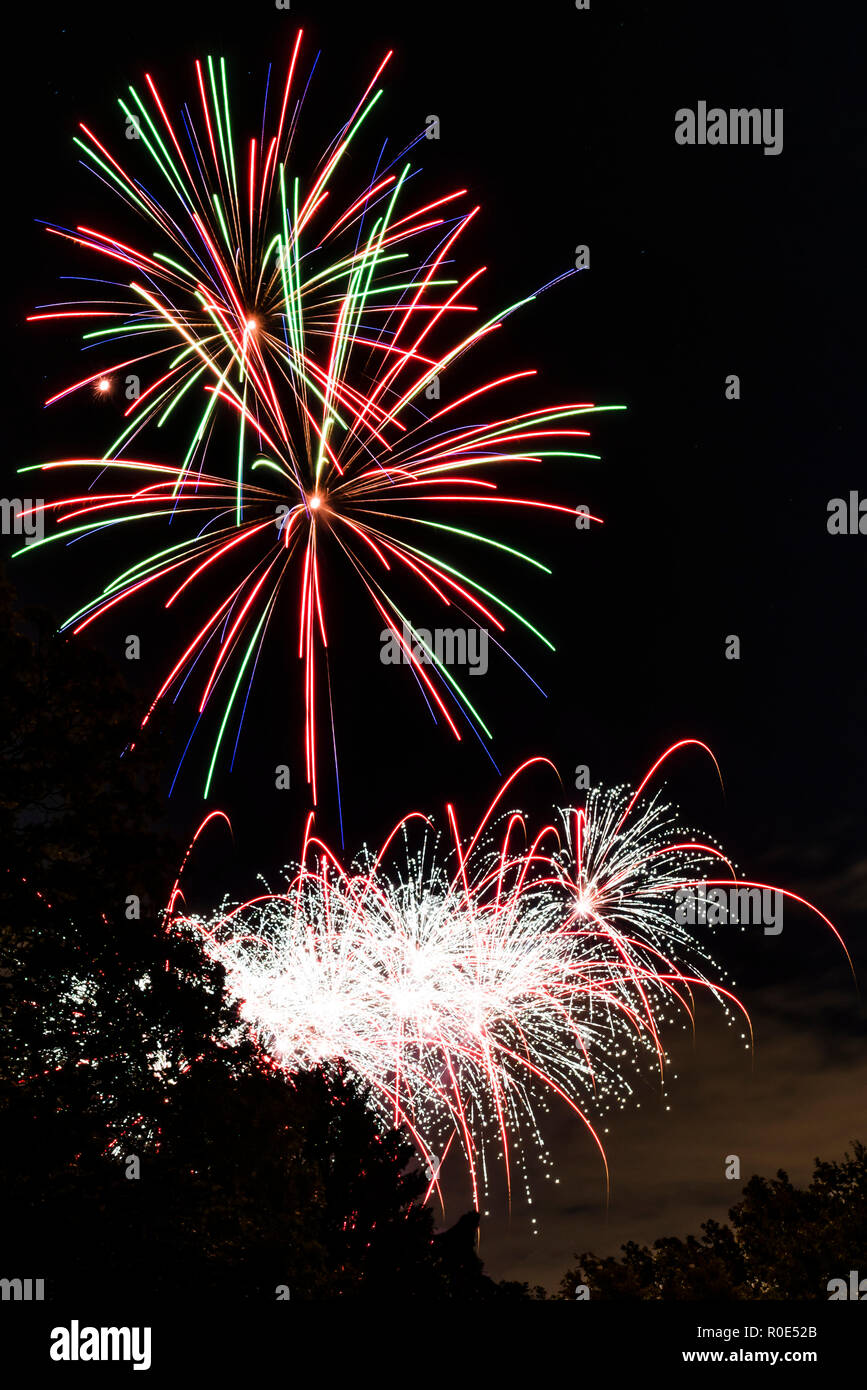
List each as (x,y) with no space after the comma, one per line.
(470,984)
(290,331)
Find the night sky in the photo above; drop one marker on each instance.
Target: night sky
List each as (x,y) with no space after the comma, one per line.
(703,262)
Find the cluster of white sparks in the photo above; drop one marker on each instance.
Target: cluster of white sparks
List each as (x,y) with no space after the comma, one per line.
(467,990)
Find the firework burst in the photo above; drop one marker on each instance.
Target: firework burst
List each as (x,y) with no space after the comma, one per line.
(290,331)
(472,983)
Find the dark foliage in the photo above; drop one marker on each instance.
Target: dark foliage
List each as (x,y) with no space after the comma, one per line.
(783,1242)
(120,1053)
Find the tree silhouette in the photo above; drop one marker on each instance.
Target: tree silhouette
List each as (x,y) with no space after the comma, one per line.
(783,1242)
(147,1147)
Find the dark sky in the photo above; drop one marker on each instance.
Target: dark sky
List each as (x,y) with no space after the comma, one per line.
(704,262)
